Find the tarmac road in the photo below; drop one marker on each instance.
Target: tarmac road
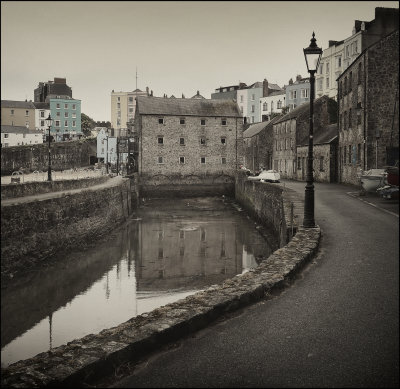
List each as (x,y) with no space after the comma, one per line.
(337,325)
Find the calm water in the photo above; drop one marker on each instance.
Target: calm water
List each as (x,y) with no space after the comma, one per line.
(168,250)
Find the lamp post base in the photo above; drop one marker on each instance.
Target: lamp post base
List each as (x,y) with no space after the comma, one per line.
(308,221)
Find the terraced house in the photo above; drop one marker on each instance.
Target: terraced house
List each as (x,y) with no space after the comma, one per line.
(188,139)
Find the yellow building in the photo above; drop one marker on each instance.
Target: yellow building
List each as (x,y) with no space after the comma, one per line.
(18,113)
(123,105)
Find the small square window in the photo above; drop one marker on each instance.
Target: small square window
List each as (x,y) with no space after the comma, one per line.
(202,141)
(223,141)
(223,160)
(160,140)
(203,160)
(182,121)
(223,122)
(181,160)
(161,121)
(203,122)
(182,141)
(12,112)
(160,160)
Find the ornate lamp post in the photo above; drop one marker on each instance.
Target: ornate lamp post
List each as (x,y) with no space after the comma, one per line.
(49,122)
(313,56)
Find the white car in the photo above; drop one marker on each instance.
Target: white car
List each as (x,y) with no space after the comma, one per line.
(267,176)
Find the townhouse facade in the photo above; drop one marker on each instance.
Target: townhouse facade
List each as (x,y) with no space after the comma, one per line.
(123,107)
(188,137)
(368,110)
(52,89)
(272,104)
(66,115)
(18,113)
(19,136)
(330,67)
(42,112)
(290,129)
(298,92)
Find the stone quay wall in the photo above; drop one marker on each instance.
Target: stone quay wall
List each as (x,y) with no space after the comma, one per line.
(64,155)
(33,188)
(92,359)
(34,230)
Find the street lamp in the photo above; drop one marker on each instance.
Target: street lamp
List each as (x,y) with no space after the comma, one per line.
(312,55)
(49,122)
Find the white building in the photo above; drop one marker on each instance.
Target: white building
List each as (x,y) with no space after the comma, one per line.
(42,112)
(242,101)
(273,103)
(330,68)
(19,136)
(107,148)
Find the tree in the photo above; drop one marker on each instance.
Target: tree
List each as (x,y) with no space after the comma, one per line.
(87,124)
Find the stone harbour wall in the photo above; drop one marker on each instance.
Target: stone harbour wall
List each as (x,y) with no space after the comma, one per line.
(31,231)
(91,359)
(32,188)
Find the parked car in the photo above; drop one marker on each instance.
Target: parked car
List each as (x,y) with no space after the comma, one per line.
(267,176)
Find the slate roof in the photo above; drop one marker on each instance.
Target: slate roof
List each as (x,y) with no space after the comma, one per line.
(41,105)
(16,104)
(300,109)
(323,136)
(18,130)
(256,128)
(277,93)
(147,105)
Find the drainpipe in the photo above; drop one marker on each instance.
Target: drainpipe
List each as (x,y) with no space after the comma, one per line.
(365,115)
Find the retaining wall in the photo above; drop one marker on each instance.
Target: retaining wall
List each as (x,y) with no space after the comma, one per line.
(35,230)
(32,188)
(87,360)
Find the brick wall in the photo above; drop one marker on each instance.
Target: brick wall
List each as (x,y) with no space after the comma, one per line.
(64,155)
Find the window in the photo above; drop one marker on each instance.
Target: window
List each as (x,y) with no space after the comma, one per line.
(359,73)
(339,61)
(272,106)
(359,153)
(253,108)
(5,135)
(160,140)
(119,99)
(327,68)
(223,122)
(182,141)
(223,160)
(12,112)
(65,106)
(181,160)
(223,140)
(202,141)
(57,123)
(327,82)
(241,109)
(65,114)
(321,164)
(241,99)
(42,114)
(160,120)
(203,122)
(319,84)
(253,96)
(42,123)
(73,106)
(321,67)
(295,94)
(279,105)
(65,123)
(58,105)
(358,117)
(203,160)
(73,123)
(26,113)
(73,115)
(304,93)
(181,121)
(252,119)
(349,153)
(344,154)
(347,51)
(131,99)
(131,110)
(265,107)
(58,114)
(160,160)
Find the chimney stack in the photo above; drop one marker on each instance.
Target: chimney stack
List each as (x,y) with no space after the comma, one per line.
(265,88)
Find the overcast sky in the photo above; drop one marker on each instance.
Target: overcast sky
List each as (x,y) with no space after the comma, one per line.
(177,47)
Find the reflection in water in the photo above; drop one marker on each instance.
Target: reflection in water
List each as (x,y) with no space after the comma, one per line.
(167,251)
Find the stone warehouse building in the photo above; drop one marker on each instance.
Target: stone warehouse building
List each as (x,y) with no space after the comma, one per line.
(369,110)
(257,145)
(187,139)
(293,127)
(325,164)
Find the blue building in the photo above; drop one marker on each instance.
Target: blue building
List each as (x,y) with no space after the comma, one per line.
(298,92)
(66,115)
